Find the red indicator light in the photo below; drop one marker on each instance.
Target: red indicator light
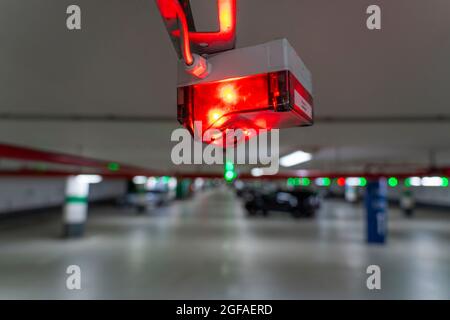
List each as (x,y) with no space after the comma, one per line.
(341,182)
(214,115)
(216,102)
(228,94)
(264,101)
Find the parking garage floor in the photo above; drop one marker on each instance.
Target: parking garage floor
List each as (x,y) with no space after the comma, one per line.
(205,248)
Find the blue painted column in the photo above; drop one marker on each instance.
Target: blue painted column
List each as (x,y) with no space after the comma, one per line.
(376,207)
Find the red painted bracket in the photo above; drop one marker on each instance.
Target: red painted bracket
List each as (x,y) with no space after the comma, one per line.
(202,42)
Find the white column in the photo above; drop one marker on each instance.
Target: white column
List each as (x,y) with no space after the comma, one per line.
(76,205)
(407,202)
(351,194)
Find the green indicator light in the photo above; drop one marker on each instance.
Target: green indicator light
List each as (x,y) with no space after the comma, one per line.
(407,182)
(393,182)
(326,182)
(362,182)
(165,179)
(229,172)
(444,182)
(296,182)
(113,166)
(229,176)
(305,182)
(229,166)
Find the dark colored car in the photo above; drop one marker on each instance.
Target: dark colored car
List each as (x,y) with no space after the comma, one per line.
(299,202)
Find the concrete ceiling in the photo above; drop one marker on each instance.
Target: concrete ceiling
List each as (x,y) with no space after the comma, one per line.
(380,96)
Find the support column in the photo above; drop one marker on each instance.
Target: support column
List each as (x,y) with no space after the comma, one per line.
(351,194)
(376,207)
(142,204)
(407,203)
(182,189)
(75,208)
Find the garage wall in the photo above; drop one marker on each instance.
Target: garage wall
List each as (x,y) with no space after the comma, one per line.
(425,195)
(433,196)
(25,193)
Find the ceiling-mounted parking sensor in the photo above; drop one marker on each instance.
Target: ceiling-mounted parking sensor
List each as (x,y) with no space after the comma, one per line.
(262,87)
(266,86)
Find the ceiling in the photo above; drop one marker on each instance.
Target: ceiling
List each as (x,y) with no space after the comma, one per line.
(382,98)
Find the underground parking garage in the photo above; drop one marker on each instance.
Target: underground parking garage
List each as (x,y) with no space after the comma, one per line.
(224,150)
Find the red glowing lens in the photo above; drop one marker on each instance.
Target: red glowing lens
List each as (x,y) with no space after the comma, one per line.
(341,182)
(265,101)
(214,102)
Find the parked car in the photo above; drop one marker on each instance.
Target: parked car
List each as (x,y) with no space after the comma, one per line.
(298,202)
(146,200)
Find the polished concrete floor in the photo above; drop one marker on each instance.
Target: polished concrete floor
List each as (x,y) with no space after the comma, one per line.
(205,248)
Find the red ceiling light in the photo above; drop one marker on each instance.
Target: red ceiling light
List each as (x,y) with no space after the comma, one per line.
(341,182)
(262,87)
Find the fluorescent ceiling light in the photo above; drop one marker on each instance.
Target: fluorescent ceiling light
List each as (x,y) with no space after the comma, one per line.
(355,182)
(199,183)
(295,158)
(172,184)
(432,181)
(257,172)
(322,182)
(90,178)
(415,181)
(150,184)
(140,180)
